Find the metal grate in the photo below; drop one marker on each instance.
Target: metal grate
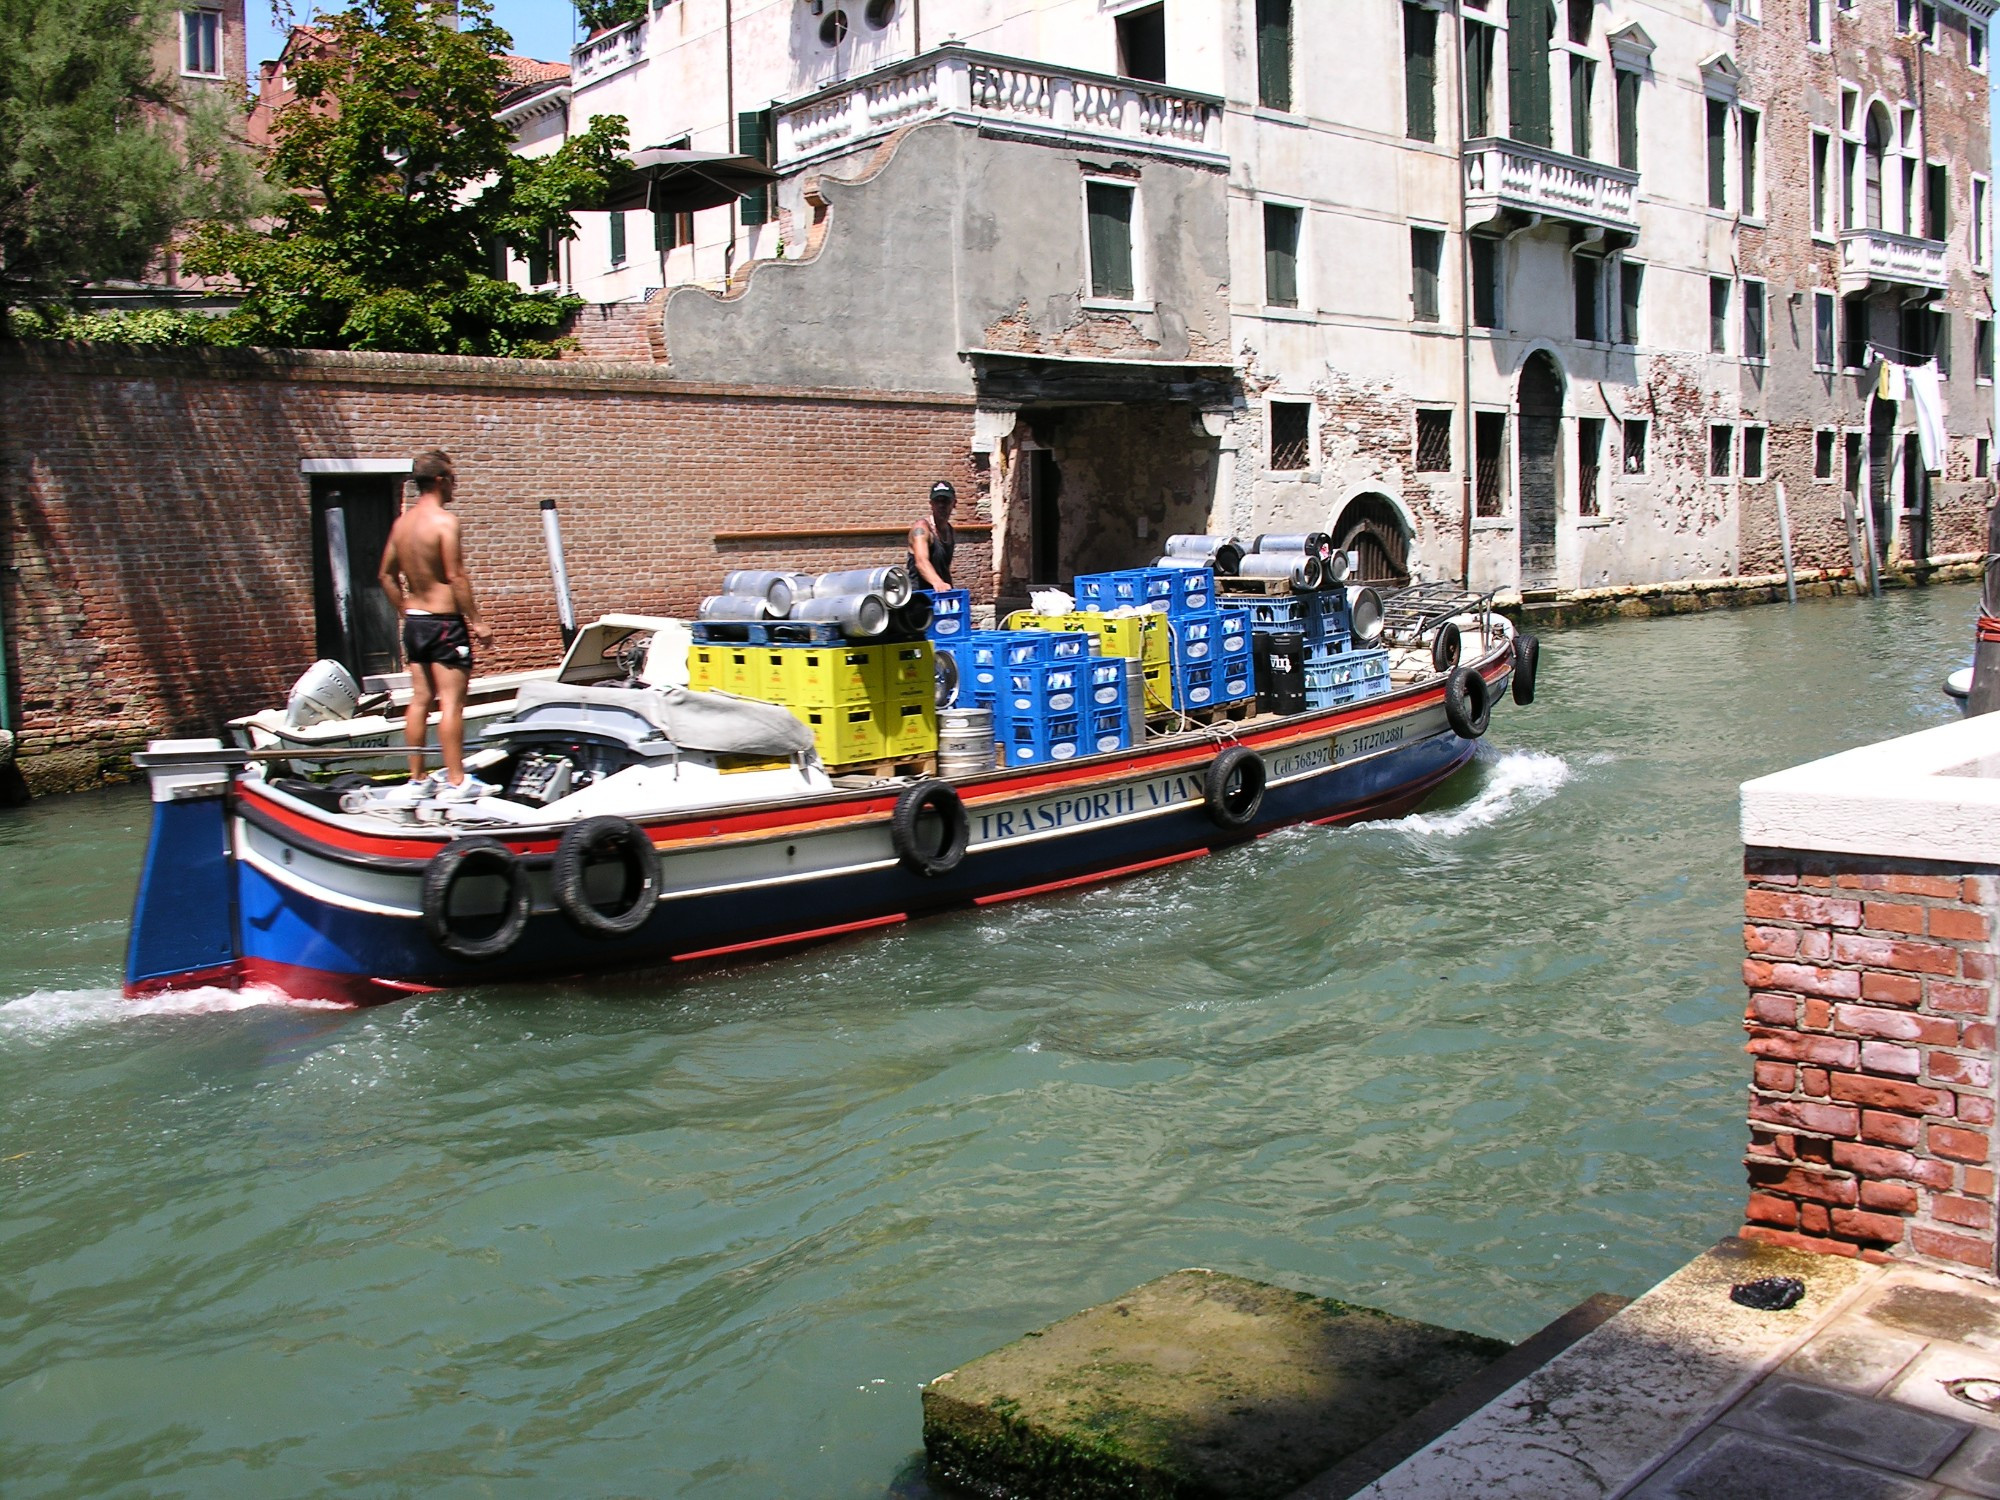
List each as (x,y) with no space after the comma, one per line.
(1291,435)
(1433,441)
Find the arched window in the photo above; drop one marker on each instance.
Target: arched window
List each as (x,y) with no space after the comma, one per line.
(1873,151)
(1372,526)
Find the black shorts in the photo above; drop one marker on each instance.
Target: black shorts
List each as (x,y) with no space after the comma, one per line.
(440,640)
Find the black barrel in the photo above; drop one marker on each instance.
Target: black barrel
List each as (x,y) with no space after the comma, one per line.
(1281,671)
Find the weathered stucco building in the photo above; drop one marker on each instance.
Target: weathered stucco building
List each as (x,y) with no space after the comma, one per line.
(1547,293)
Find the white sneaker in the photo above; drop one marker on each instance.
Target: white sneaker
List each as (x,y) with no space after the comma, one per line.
(410,793)
(469,790)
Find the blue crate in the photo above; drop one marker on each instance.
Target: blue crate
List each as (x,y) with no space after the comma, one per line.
(765,633)
(1346,678)
(1042,689)
(1194,685)
(1196,637)
(1268,611)
(1235,629)
(1110,729)
(951,613)
(1192,591)
(1105,681)
(982,663)
(1024,646)
(1031,741)
(1236,675)
(1108,591)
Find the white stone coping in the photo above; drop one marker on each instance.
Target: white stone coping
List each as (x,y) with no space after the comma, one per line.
(1930,795)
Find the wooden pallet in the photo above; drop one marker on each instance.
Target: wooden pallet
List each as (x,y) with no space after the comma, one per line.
(1215,713)
(887,768)
(1264,586)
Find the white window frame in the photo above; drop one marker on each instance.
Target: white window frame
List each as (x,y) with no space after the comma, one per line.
(1292,398)
(1824,12)
(1979,225)
(214,18)
(1745,191)
(1976,38)
(1731,334)
(1763,452)
(1446,281)
(1993,354)
(1140,300)
(1822,193)
(1832,475)
(1304,310)
(1742,311)
(1751,11)
(1821,295)
(1708,454)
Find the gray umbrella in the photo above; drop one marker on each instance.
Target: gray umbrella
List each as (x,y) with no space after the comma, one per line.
(670,181)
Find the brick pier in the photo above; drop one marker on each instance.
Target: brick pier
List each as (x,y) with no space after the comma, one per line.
(1872,1001)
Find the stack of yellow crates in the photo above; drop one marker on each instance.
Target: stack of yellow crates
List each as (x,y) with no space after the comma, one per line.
(863,703)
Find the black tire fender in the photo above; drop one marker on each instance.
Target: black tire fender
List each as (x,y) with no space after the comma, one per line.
(1527,661)
(1233,788)
(1446,646)
(1468,703)
(591,842)
(918,854)
(464,858)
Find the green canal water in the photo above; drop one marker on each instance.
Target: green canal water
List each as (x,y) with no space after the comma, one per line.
(708,1239)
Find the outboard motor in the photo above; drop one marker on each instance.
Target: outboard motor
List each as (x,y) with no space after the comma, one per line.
(325,693)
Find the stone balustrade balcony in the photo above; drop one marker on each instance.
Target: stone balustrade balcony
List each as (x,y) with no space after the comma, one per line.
(1510,184)
(1023,98)
(1875,257)
(613,52)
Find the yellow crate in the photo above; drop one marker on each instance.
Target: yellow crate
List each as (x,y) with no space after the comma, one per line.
(772,677)
(909,668)
(705,667)
(833,676)
(910,727)
(1159,690)
(845,732)
(743,670)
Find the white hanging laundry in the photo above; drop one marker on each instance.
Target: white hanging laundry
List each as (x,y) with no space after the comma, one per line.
(1889,381)
(1927,395)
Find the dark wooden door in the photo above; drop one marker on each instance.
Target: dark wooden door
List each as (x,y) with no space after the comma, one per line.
(1540,432)
(1881,473)
(363,637)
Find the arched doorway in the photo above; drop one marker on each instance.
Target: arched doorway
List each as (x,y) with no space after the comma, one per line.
(1540,430)
(1371,526)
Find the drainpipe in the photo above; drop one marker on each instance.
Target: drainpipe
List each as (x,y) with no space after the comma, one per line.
(1465,435)
(729,112)
(916,28)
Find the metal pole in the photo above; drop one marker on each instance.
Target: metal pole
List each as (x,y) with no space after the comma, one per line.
(1785,540)
(1985,694)
(343,581)
(1465,417)
(565,608)
(1868,504)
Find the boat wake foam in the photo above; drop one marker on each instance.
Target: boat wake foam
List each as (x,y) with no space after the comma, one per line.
(1514,781)
(67,1010)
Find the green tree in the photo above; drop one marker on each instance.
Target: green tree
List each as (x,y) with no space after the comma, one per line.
(400,183)
(102,159)
(602,15)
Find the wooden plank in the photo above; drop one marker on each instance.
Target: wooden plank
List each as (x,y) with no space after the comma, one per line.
(837,533)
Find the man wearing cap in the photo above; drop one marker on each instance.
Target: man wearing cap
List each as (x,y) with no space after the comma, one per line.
(932,540)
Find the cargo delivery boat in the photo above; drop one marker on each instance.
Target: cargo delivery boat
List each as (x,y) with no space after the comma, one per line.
(664,828)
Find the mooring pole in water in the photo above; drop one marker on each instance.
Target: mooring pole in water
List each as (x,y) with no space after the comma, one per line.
(1985,695)
(1785,540)
(1868,525)
(565,608)
(343,579)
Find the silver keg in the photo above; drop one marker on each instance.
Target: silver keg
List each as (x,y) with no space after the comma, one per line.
(861,617)
(965,741)
(734,607)
(1135,696)
(891,582)
(779,590)
(1306,570)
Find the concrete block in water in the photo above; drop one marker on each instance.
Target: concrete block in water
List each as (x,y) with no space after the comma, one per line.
(1197,1384)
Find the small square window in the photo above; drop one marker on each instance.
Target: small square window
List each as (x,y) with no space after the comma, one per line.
(1721,450)
(1291,435)
(1823,446)
(1753,453)
(1433,441)
(1635,445)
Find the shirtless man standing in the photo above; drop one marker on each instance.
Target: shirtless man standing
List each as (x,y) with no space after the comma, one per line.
(423,573)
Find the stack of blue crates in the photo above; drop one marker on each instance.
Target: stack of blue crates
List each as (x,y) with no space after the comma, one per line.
(951,614)
(1051,699)
(1335,671)
(1210,662)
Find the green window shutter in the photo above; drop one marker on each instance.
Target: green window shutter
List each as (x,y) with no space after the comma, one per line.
(1628,120)
(1478,80)
(1274,54)
(1420,72)
(1631,281)
(1281,256)
(617,239)
(753,139)
(1530,24)
(1718,154)
(1582,85)
(1110,212)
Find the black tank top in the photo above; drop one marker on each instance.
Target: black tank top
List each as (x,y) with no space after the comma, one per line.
(944,542)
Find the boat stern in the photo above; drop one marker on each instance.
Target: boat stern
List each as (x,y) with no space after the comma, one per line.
(184,919)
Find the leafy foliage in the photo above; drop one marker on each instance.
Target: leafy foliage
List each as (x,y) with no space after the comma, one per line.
(602,15)
(101,159)
(399,183)
(141,325)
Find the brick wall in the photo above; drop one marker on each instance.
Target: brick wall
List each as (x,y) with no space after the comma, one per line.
(1871,1019)
(155,555)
